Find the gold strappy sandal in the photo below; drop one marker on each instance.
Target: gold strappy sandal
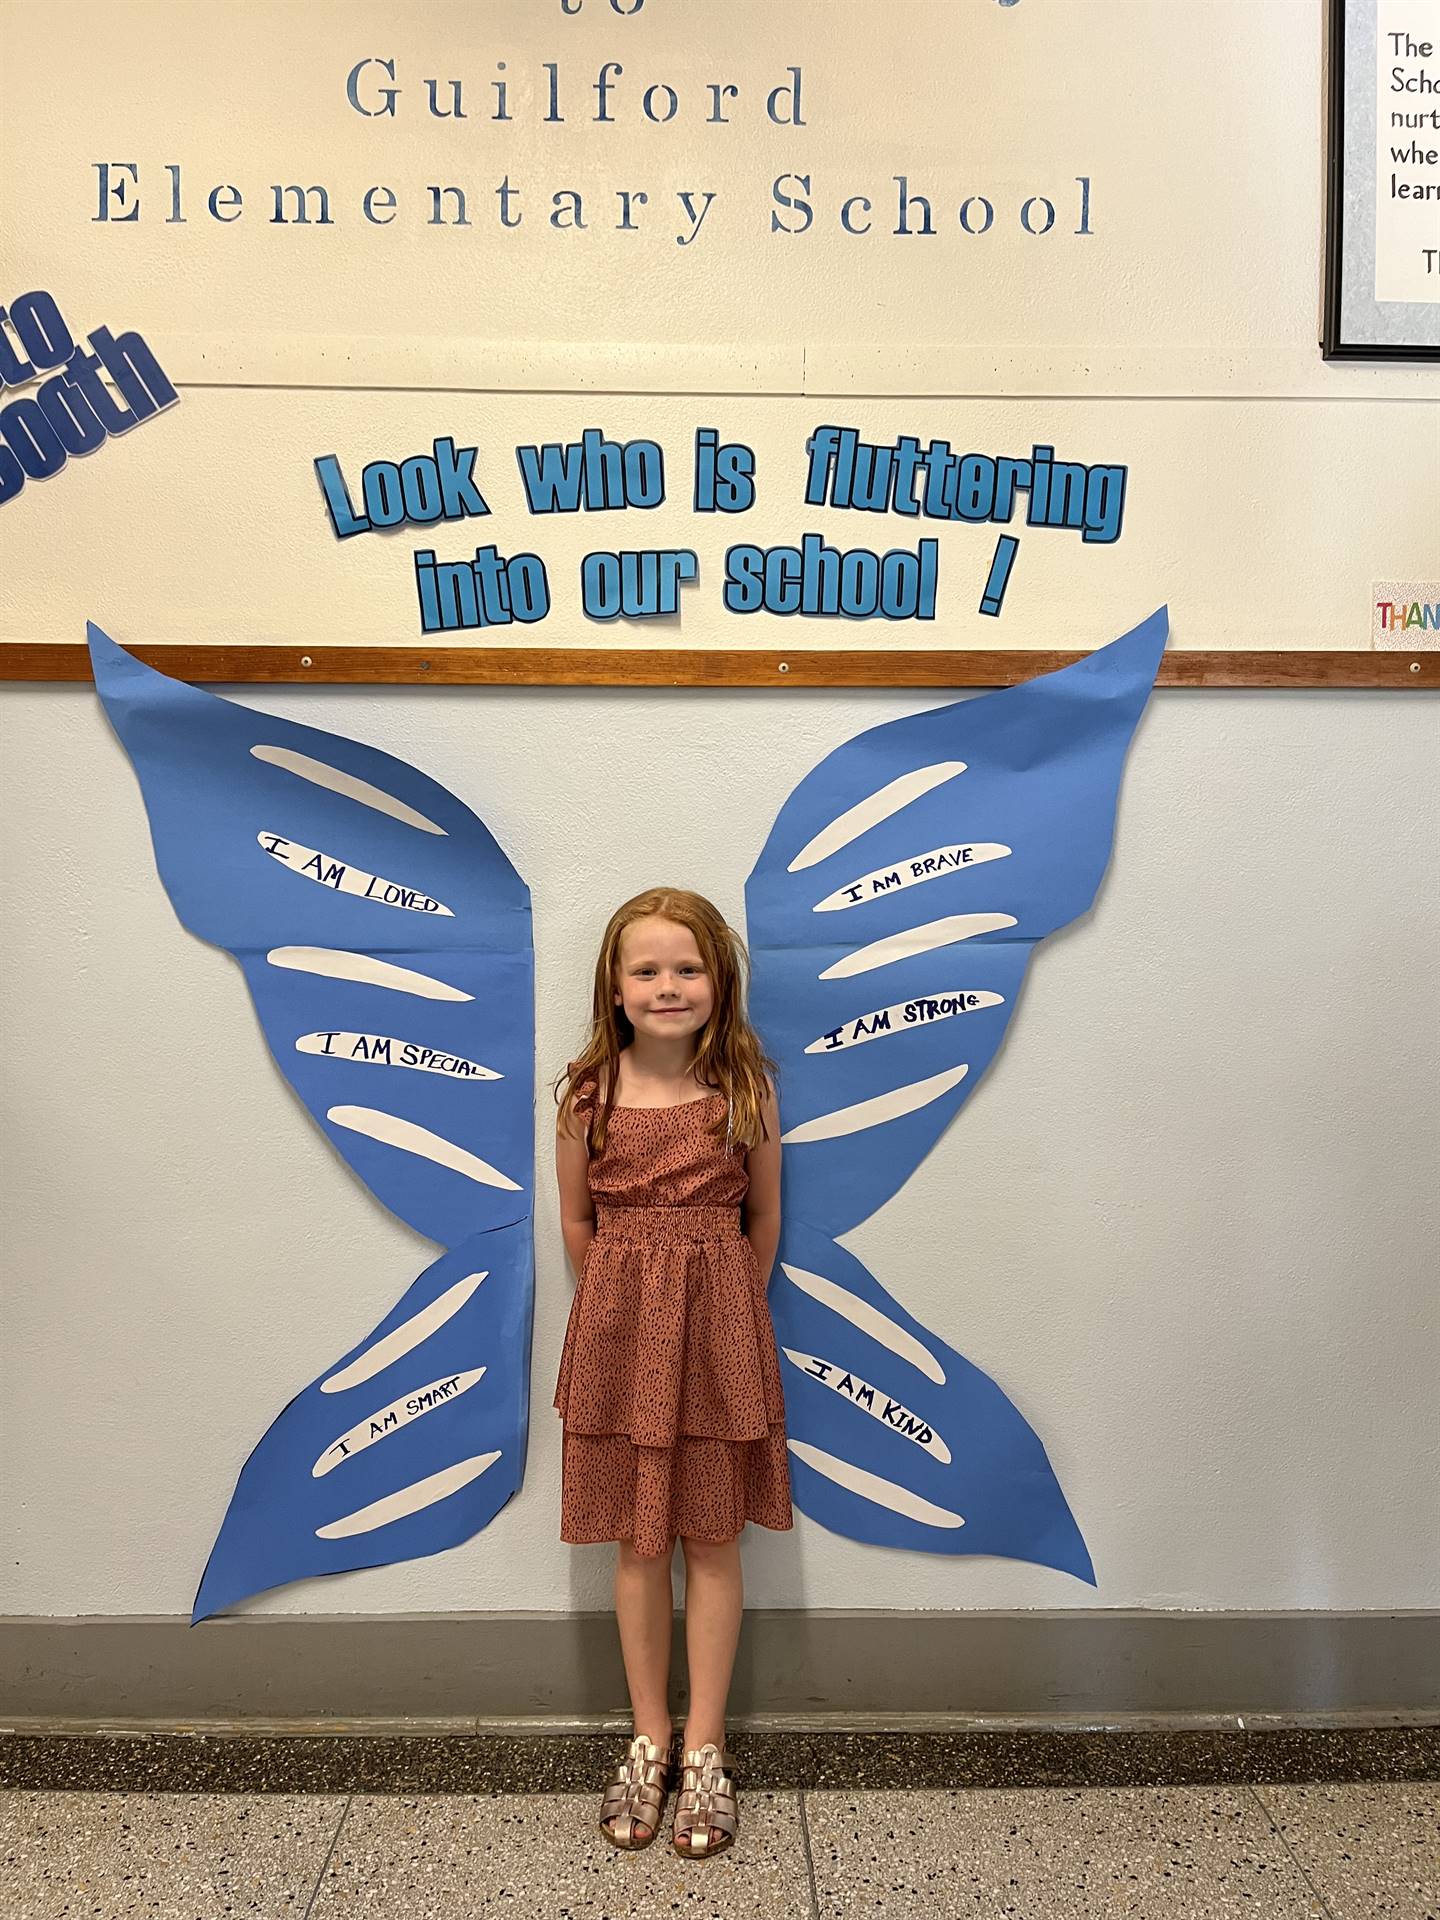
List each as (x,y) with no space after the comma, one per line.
(636,1792)
(706,1799)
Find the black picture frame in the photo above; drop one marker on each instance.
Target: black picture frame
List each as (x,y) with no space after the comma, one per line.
(1335,344)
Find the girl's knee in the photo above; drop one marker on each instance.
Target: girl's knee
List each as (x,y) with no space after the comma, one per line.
(708,1549)
(630,1554)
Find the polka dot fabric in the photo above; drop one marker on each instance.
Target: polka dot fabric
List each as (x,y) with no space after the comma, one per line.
(669,1384)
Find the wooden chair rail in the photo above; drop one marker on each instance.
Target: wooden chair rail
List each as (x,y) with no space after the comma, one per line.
(712,667)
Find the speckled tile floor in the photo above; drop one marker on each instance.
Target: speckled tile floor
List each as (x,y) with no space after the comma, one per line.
(1333,1852)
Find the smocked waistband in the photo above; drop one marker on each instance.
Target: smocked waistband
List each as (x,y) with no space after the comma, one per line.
(666,1223)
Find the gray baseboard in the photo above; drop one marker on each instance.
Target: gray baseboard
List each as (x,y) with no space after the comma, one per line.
(567,1667)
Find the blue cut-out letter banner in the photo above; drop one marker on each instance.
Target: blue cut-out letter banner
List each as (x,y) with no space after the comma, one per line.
(385,940)
(891,917)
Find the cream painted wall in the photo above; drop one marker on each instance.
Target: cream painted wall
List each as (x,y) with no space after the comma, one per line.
(1189,1221)
(1198,128)
(1168,321)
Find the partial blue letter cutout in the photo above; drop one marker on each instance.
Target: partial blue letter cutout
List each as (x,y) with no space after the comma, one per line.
(385,940)
(891,918)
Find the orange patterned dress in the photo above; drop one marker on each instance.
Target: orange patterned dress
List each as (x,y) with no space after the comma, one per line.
(669,1384)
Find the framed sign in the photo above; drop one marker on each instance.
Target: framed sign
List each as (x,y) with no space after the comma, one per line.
(1382,255)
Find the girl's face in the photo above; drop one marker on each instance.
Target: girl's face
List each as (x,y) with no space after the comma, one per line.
(663,984)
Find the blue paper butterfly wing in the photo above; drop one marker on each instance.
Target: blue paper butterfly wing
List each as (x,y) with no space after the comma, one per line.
(222,783)
(938,850)
(408,1445)
(385,939)
(1018,843)
(895,1438)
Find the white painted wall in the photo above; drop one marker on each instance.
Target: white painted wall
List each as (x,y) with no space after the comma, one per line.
(1190,1221)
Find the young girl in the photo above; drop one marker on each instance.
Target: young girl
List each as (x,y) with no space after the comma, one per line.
(669,1386)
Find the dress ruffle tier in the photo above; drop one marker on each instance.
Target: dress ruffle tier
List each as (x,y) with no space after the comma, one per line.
(669,1382)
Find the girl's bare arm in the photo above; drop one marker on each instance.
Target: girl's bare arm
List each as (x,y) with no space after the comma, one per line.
(577,1211)
(762,1202)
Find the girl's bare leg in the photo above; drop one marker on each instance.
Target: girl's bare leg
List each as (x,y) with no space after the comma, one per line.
(644,1608)
(714,1604)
